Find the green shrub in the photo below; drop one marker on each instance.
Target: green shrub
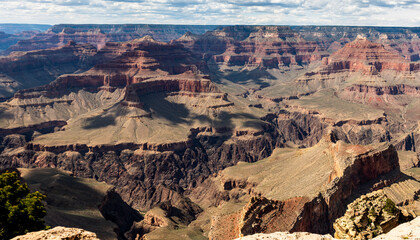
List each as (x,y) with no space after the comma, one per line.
(390,206)
(20,210)
(372,212)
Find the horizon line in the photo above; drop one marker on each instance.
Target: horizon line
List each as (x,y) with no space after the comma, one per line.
(178,24)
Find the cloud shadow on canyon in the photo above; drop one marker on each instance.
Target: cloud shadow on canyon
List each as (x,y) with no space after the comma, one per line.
(258,77)
(99,122)
(177,113)
(5,115)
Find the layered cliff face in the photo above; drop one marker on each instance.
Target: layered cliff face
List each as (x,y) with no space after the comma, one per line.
(31,69)
(371,74)
(135,62)
(6,40)
(404,40)
(254,46)
(361,61)
(126,70)
(364,56)
(99,35)
(10,35)
(294,190)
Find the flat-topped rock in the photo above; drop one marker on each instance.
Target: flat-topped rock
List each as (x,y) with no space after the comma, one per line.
(59,233)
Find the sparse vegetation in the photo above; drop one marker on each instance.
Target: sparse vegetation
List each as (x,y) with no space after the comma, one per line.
(372,212)
(20,210)
(390,206)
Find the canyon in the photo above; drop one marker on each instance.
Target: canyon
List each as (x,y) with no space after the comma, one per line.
(207,132)
(98,35)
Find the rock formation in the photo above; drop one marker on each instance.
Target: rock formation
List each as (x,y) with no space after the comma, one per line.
(6,40)
(32,69)
(10,34)
(367,217)
(287,236)
(361,58)
(254,46)
(59,233)
(99,35)
(409,230)
(364,56)
(284,204)
(145,66)
(404,40)
(165,216)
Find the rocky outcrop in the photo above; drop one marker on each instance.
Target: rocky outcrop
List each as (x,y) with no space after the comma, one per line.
(287,236)
(400,89)
(409,230)
(168,215)
(367,217)
(264,215)
(59,233)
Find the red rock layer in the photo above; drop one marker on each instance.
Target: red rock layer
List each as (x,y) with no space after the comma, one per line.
(37,68)
(145,65)
(406,46)
(37,59)
(390,90)
(263,46)
(370,58)
(386,96)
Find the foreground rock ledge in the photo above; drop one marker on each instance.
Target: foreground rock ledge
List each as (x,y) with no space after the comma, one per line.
(59,233)
(409,230)
(287,236)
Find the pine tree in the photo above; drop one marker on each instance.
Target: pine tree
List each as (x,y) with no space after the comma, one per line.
(20,210)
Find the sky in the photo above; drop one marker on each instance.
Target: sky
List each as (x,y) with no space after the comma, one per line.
(217,12)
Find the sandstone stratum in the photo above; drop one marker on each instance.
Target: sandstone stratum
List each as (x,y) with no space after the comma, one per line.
(206,132)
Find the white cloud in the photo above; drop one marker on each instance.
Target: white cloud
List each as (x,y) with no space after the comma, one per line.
(282,12)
